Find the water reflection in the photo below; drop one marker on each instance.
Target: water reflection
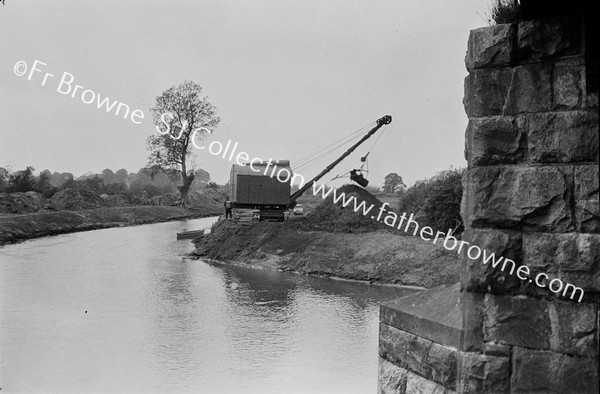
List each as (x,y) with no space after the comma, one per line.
(120,310)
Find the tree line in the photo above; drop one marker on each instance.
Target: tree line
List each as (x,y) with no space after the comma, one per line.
(146,183)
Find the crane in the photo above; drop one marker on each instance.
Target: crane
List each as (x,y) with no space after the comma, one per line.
(385,120)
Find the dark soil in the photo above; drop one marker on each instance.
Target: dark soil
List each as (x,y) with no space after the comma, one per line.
(333,241)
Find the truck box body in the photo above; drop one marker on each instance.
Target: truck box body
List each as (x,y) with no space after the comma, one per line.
(251,187)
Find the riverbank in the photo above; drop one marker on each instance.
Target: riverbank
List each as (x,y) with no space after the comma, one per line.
(377,256)
(20,227)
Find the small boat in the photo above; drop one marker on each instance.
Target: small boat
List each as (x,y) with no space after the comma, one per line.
(190,234)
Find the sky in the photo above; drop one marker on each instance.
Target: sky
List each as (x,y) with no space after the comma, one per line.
(287,77)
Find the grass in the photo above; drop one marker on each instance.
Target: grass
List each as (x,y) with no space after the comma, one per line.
(505,11)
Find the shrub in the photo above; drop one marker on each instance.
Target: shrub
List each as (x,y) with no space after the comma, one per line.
(506,11)
(22,181)
(436,201)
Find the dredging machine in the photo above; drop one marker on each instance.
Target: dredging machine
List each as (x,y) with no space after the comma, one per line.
(265,187)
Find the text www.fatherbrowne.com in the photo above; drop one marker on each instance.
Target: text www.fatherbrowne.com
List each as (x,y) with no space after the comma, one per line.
(393,220)
(474,252)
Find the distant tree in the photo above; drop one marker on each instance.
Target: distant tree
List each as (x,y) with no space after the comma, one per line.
(201,179)
(85,176)
(392,183)
(142,179)
(22,181)
(151,171)
(94,184)
(115,188)
(121,175)
(505,11)
(212,185)
(143,183)
(202,176)
(182,117)
(69,180)
(4,179)
(164,183)
(57,179)
(43,184)
(108,176)
(131,177)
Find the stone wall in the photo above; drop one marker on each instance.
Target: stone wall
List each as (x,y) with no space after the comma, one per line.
(531,195)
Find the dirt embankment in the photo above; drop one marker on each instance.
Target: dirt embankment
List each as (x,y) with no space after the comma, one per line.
(16,228)
(29,215)
(333,241)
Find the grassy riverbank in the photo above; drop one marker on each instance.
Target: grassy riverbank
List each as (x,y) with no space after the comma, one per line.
(19,227)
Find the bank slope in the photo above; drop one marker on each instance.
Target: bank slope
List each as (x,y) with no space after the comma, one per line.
(19,227)
(377,256)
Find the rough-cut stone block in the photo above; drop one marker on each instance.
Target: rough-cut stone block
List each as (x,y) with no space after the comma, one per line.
(535,371)
(587,201)
(430,360)
(483,374)
(568,84)
(508,91)
(443,314)
(486,91)
(480,277)
(495,140)
(546,38)
(442,361)
(560,326)
(404,349)
(571,257)
(392,379)
(491,46)
(564,252)
(563,137)
(530,89)
(525,198)
(415,384)
(496,349)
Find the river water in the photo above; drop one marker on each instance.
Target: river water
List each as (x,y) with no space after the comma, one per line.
(120,310)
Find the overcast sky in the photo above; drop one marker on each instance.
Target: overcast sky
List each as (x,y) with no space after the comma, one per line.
(287,78)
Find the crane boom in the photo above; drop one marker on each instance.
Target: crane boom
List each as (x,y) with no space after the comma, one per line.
(387,119)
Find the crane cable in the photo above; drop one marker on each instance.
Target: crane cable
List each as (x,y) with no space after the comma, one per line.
(312,157)
(363,157)
(318,155)
(313,161)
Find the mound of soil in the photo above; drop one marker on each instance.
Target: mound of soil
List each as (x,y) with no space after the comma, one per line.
(22,202)
(205,197)
(334,241)
(74,199)
(377,256)
(333,217)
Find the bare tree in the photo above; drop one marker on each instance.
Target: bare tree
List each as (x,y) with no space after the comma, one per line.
(183,118)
